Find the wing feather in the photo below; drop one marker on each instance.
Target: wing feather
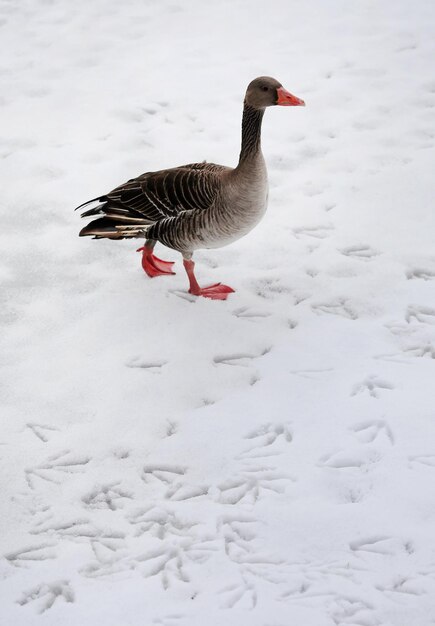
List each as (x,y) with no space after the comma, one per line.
(154,196)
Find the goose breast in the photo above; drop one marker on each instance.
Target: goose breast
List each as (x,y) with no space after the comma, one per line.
(242,205)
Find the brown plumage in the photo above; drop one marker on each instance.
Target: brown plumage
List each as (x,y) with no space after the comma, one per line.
(199,205)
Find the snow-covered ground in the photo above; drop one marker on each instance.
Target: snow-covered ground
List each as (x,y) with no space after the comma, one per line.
(264,461)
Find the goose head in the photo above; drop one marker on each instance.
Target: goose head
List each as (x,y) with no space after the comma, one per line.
(265,91)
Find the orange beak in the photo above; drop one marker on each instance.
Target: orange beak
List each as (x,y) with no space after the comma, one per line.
(286,99)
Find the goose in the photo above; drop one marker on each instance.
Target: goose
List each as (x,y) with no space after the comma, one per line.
(194,206)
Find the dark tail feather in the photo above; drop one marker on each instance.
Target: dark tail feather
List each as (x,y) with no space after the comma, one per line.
(110,209)
(114,227)
(99,199)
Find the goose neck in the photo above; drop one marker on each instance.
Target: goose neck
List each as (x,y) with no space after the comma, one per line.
(251,133)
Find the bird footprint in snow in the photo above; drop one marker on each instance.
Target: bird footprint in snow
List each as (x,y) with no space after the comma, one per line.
(372,385)
(338,307)
(360,252)
(263,439)
(42,431)
(421,273)
(55,466)
(110,496)
(47,594)
(369,431)
(239,359)
(316,232)
(422,314)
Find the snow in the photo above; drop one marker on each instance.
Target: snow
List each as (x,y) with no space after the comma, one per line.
(173,461)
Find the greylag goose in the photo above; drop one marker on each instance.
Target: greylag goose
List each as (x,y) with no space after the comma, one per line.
(199,205)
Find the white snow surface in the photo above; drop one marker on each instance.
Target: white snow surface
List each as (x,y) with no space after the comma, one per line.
(264,461)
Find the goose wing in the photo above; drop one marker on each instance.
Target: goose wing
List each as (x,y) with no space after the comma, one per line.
(156,195)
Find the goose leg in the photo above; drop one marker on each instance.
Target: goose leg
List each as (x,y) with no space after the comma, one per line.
(151,264)
(215,292)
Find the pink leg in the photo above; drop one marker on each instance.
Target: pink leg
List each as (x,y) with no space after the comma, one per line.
(154,266)
(216,292)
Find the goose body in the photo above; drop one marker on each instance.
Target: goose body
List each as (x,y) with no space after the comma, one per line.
(194,206)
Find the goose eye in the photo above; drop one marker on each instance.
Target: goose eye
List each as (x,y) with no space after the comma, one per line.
(264,88)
